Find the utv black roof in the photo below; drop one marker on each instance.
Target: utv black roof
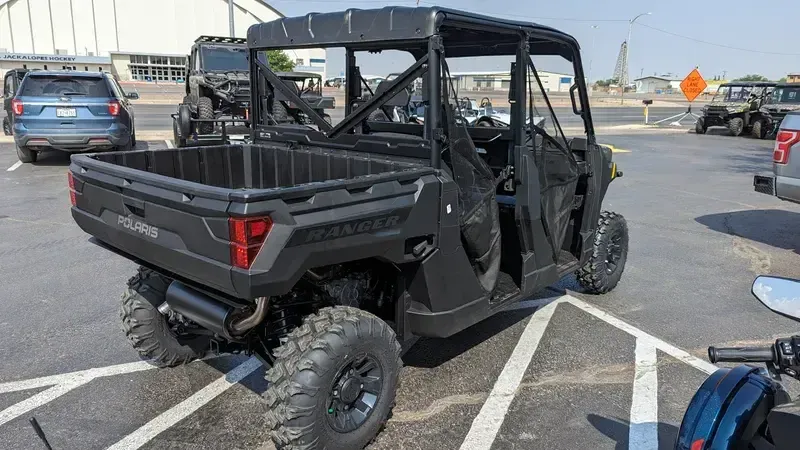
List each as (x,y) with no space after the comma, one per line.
(298,75)
(751,83)
(788,85)
(221,40)
(404,28)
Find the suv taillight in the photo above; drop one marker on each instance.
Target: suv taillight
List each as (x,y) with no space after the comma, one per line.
(783,144)
(71,183)
(113,108)
(17,106)
(247,237)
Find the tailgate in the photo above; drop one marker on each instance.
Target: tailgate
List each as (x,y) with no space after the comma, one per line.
(184,231)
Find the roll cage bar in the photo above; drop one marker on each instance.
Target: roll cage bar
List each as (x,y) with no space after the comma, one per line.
(463,34)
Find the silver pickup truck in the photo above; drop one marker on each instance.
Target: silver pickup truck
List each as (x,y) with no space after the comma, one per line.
(784,182)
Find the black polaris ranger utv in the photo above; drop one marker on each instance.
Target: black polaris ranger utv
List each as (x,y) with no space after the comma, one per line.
(736,106)
(217,90)
(325,250)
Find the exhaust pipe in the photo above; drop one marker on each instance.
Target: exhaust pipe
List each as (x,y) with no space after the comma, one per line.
(212,314)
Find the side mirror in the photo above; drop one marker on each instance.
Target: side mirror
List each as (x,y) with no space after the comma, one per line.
(132,95)
(575,109)
(781,295)
(512,89)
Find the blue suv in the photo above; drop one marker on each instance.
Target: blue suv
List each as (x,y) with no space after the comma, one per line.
(71,112)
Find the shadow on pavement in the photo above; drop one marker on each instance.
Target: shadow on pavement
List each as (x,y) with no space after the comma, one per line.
(774,227)
(619,430)
(54,158)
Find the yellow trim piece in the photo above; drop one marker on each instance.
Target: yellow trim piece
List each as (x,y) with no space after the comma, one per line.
(613,170)
(615,149)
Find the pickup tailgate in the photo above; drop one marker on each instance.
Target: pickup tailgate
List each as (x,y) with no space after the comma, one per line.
(168,210)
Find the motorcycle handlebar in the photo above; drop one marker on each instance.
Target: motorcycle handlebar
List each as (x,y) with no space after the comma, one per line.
(741,354)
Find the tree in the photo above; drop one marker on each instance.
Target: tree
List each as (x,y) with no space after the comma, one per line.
(606,83)
(782,80)
(752,77)
(279,61)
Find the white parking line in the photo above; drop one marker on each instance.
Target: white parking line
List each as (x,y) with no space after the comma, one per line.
(489,420)
(169,143)
(185,408)
(66,378)
(14,167)
(30,403)
(643,430)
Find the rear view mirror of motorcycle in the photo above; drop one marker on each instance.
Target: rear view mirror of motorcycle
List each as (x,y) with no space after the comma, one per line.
(781,295)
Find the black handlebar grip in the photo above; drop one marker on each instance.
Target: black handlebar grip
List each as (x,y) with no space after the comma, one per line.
(741,354)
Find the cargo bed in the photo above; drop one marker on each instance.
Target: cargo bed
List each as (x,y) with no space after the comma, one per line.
(188,195)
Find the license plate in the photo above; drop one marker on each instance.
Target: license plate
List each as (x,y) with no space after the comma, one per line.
(66,112)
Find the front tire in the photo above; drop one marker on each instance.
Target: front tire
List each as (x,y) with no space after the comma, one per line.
(340,360)
(27,155)
(205,110)
(700,126)
(604,269)
(736,126)
(148,330)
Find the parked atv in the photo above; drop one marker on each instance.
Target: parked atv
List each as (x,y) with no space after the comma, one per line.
(217,91)
(736,106)
(785,98)
(326,250)
(11,81)
(309,86)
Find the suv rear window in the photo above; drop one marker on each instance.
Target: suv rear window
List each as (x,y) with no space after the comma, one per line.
(58,85)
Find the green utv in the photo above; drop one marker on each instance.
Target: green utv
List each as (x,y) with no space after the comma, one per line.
(736,106)
(325,250)
(785,98)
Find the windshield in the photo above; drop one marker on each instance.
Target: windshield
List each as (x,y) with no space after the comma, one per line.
(224,58)
(734,94)
(64,85)
(786,95)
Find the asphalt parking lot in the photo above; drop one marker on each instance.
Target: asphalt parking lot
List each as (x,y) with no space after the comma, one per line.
(563,370)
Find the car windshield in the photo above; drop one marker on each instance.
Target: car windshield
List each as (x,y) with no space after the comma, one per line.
(786,95)
(224,58)
(64,85)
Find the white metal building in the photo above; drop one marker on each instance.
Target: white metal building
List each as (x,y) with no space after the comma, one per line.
(145,40)
(501,81)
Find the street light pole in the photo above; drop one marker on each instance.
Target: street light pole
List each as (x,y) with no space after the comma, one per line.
(232,29)
(591,57)
(624,80)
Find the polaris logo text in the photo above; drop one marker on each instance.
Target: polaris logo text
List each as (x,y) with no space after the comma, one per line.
(351,228)
(138,226)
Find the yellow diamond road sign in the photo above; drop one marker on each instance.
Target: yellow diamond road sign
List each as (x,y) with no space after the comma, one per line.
(693,85)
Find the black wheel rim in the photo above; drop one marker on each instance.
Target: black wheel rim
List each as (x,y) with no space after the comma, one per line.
(613,252)
(355,393)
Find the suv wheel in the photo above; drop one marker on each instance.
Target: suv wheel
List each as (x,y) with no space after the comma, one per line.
(334,381)
(205,110)
(700,126)
(27,155)
(149,331)
(610,251)
(8,129)
(177,139)
(736,126)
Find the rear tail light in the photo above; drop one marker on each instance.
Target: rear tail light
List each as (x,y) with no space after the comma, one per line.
(698,444)
(113,108)
(783,144)
(247,237)
(71,182)
(17,106)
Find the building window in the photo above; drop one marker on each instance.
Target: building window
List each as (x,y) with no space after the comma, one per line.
(299,61)
(24,66)
(99,69)
(62,51)
(90,53)
(85,68)
(45,67)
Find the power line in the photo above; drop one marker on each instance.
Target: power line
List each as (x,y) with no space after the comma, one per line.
(715,44)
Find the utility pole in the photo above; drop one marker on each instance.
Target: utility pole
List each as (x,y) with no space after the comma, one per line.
(624,81)
(230,18)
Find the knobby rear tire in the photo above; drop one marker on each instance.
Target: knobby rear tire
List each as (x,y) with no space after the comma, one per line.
(595,276)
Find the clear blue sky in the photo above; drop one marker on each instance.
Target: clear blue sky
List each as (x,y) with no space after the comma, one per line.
(735,23)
